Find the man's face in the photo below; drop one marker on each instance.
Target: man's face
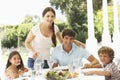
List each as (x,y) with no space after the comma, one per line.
(68,41)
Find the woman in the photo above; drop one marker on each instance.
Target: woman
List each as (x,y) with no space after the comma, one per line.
(42,37)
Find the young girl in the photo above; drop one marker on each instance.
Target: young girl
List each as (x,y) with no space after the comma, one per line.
(14,66)
(110,70)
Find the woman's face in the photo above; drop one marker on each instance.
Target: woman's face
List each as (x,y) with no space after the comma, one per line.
(49,18)
(15,60)
(104,58)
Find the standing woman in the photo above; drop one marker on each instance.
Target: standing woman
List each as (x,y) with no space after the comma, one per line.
(42,36)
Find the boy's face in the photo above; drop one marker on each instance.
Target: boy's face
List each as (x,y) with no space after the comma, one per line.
(104,58)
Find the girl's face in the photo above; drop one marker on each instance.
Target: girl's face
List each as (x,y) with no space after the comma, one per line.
(49,18)
(15,60)
(104,58)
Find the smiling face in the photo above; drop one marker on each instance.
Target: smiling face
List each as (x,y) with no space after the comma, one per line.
(68,36)
(49,17)
(15,60)
(105,58)
(106,54)
(68,41)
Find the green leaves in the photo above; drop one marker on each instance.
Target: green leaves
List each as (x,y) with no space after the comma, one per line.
(54,75)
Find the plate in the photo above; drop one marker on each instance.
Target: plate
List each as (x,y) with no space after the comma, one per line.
(62,68)
(91,69)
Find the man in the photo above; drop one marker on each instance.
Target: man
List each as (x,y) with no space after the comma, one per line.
(64,54)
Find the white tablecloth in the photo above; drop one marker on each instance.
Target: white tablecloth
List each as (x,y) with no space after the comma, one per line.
(81,76)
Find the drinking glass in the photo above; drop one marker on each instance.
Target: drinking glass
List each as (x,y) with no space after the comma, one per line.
(72,68)
(50,63)
(38,65)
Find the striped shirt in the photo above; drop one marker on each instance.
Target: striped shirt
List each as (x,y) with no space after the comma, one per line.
(112,68)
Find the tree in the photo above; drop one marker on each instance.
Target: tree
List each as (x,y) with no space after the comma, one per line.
(76,14)
(31,19)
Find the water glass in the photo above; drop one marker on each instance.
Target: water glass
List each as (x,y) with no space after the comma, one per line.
(38,65)
(50,63)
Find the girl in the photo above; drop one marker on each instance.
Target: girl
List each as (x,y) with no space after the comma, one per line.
(14,66)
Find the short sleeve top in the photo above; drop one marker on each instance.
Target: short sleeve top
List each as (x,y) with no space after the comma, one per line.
(41,43)
(64,59)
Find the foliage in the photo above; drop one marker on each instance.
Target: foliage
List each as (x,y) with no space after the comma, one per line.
(99,23)
(62,26)
(31,19)
(11,34)
(76,13)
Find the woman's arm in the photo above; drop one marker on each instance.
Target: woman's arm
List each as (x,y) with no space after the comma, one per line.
(28,40)
(59,37)
(78,43)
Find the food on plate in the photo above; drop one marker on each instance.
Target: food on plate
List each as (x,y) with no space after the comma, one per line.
(57,75)
(60,75)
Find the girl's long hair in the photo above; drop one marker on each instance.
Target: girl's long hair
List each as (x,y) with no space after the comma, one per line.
(10,56)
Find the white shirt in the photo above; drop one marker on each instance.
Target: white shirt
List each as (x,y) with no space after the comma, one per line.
(41,43)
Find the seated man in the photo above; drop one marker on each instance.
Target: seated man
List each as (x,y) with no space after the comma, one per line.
(64,54)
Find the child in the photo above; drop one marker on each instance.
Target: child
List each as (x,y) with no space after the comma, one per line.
(15,66)
(110,70)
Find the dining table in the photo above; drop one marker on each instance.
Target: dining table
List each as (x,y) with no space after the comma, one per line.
(31,74)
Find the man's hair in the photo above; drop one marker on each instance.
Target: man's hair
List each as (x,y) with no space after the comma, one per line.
(68,32)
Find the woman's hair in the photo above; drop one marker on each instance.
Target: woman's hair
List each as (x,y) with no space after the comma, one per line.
(52,27)
(10,56)
(106,50)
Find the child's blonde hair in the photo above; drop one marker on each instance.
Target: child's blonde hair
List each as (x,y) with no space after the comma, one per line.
(106,50)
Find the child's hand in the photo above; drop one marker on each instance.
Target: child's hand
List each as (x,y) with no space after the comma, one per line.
(23,70)
(20,71)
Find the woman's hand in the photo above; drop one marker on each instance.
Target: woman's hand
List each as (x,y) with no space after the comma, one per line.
(35,55)
(78,43)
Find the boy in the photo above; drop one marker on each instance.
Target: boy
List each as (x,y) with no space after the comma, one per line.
(110,70)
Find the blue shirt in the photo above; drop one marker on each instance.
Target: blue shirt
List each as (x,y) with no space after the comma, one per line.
(63,58)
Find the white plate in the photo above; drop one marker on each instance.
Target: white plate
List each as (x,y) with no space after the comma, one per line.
(91,69)
(61,68)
